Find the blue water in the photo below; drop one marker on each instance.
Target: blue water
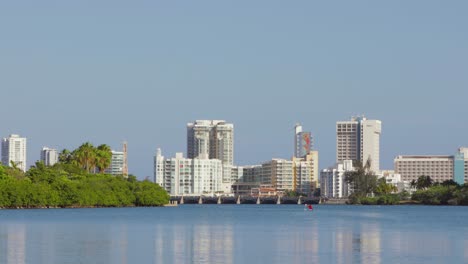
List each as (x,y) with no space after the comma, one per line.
(236,234)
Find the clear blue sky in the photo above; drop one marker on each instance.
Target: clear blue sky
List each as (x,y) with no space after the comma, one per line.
(108,71)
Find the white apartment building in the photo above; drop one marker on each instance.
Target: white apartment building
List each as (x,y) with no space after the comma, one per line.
(49,156)
(359,139)
(184,176)
(222,142)
(117,164)
(14,150)
(439,168)
(213,139)
(332,180)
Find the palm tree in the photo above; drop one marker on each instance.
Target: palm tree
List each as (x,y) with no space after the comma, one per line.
(413,184)
(85,156)
(65,156)
(362,179)
(103,157)
(424,182)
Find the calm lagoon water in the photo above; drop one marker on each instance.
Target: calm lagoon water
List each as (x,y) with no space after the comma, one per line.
(236,234)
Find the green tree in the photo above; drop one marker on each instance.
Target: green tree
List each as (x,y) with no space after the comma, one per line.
(363,181)
(65,156)
(435,195)
(103,157)
(67,185)
(450,183)
(383,187)
(150,194)
(14,171)
(85,156)
(423,182)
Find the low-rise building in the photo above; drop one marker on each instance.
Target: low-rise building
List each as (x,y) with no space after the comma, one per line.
(264,191)
(332,180)
(395,179)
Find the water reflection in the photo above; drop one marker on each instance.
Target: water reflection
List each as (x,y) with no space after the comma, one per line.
(194,243)
(290,243)
(370,243)
(343,241)
(238,235)
(13,244)
(119,247)
(465,250)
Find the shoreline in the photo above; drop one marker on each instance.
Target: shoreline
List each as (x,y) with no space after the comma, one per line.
(405,203)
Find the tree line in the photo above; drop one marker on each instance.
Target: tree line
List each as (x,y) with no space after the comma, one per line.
(435,193)
(367,188)
(77,180)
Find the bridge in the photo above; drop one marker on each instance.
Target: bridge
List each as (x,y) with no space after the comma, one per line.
(244,199)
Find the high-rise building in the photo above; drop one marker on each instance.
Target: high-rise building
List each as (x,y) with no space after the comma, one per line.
(184,176)
(461,166)
(306,173)
(117,164)
(213,139)
(14,150)
(49,156)
(359,139)
(303,142)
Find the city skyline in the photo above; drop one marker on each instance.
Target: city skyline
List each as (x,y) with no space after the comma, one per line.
(223,123)
(113,71)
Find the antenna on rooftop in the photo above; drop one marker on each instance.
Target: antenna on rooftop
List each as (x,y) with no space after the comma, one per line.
(125,165)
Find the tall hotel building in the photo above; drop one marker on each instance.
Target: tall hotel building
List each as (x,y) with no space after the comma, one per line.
(49,156)
(213,139)
(303,142)
(410,167)
(14,150)
(439,168)
(359,139)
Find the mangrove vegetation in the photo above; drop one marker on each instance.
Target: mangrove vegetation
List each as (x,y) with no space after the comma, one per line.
(77,180)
